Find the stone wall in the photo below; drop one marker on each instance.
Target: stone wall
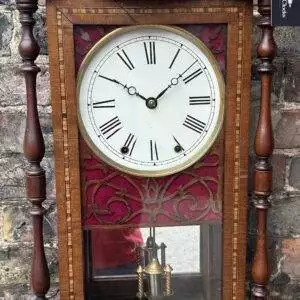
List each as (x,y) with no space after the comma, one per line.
(15,227)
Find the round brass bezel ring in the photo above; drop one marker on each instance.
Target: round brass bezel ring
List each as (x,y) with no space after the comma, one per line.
(204,149)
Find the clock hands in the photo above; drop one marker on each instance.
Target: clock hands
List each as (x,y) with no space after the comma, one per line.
(130,89)
(173,82)
(111,79)
(163,92)
(152,101)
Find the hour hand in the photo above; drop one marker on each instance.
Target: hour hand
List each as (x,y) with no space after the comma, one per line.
(163,92)
(174,81)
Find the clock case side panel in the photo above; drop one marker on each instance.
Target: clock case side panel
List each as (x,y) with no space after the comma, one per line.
(236,125)
(68,193)
(245,93)
(238,19)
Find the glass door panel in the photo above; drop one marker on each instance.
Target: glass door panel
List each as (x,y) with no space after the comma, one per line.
(178,262)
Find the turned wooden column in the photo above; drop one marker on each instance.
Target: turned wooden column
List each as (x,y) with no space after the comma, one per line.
(264,145)
(34,148)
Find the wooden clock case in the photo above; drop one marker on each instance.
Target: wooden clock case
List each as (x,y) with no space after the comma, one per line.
(61,18)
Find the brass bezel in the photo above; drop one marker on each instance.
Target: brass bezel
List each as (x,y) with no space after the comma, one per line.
(215,65)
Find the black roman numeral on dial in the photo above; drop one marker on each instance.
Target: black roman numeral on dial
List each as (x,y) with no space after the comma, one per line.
(199,100)
(150,53)
(104,104)
(129,144)
(192,76)
(125,59)
(111,127)
(174,58)
(153,150)
(194,124)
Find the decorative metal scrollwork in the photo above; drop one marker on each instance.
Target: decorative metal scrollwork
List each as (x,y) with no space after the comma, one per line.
(115,198)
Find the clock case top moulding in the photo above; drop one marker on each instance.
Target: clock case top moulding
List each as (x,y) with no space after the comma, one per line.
(62,16)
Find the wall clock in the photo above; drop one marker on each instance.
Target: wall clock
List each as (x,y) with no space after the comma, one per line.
(150,99)
(150,116)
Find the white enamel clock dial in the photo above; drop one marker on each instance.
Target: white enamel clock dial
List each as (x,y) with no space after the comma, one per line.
(150,100)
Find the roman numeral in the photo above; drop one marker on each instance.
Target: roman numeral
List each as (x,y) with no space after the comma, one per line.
(111,127)
(200,100)
(150,53)
(192,76)
(125,59)
(194,124)
(104,104)
(129,144)
(153,150)
(174,58)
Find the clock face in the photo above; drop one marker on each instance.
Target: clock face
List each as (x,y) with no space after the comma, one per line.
(150,99)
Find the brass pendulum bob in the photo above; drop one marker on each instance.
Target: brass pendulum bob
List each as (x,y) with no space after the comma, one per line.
(158,274)
(155,274)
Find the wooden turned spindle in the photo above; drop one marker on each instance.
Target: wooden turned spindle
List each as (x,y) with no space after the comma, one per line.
(263,148)
(34,148)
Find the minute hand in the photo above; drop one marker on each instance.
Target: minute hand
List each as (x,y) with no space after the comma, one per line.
(130,89)
(112,80)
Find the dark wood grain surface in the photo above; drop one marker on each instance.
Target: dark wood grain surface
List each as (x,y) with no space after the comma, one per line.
(33,148)
(264,145)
